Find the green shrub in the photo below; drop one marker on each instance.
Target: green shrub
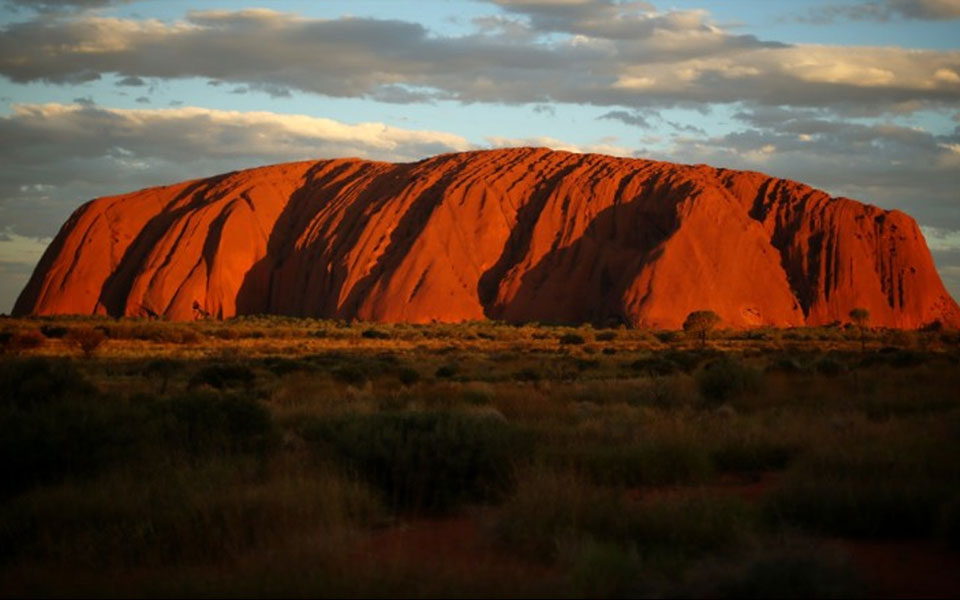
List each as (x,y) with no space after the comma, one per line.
(636,464)
(585,364)
(745,455)
(606,336)
(571,339)
(205,422)
(165,333)
(787,571)
(667,337)
(86,339)
(222,376)
(655,365)
(478,394)
(38,381)
(667,393)
(603,570)
(551,506)
(829,367)
(528,374)
(446,371)
(726,379)
(855,509)
(350,375)
(53,332)
(171,517)
(374,334)
(281,366)
(424,461)
(784,364)
(689,360)
(16,342)
(889,487)
(69,439)
(54,426)
(692,525)
(408,375)
(902,359)
(949,525)
(162,369)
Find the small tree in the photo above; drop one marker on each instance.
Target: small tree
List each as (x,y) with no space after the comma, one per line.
(860,317)
(700,323)
(86,339)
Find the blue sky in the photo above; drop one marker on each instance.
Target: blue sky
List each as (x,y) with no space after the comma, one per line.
(860,98)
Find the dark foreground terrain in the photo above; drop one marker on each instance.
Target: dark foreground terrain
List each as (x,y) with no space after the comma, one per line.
(308,458)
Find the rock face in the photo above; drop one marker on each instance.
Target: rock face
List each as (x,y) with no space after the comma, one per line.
(523,234)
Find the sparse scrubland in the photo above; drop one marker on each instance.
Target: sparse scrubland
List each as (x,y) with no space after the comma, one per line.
(293,457)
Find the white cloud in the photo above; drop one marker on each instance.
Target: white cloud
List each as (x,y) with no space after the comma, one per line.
(602,147)
(19,249)
(947,75)
(941,240)
(56,156)
(18,255)
(44,131)
(887,164)
(597,52)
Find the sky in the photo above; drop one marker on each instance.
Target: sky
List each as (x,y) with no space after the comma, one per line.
(860,98)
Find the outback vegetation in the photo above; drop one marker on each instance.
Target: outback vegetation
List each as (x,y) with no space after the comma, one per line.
(295,457)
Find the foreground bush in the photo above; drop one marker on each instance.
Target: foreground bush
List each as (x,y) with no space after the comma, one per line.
(16,342)
(86,339)
(56,427)
(726,379)
(424,461)
(221,376)
(789,570)
(183,515)
(872,509)
(207,422)
(53,426)
(38,381)
(896,486)
(635,464)
(550,507)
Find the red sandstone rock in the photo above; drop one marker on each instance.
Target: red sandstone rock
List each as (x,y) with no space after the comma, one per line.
(518,234)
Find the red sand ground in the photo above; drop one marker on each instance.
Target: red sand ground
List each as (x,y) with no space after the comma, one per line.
(458,552)
(516,234)
(459,549)
(905,569)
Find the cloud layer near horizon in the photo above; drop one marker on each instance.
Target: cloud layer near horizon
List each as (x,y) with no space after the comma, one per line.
(547,52)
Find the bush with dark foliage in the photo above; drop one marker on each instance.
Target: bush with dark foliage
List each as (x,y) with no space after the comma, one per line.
(221,376)
(726,379)
(424,461)
(86,339)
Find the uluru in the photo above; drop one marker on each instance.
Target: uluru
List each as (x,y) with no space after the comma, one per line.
(523,234)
